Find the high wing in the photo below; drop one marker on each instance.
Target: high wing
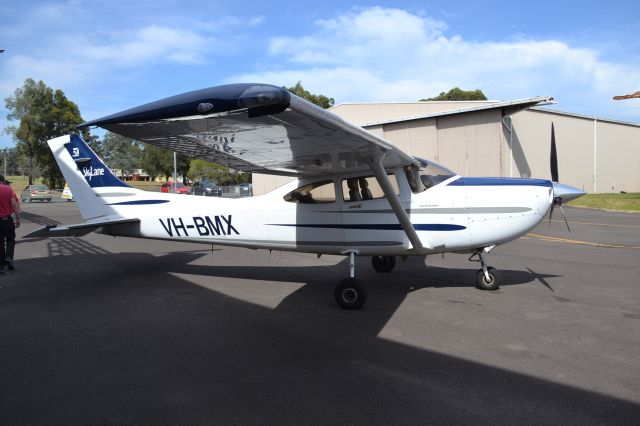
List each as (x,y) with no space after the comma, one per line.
(255,128)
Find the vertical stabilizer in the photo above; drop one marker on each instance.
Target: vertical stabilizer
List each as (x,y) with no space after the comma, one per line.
(85,173)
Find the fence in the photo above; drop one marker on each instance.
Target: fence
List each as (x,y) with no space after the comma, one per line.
(234,191)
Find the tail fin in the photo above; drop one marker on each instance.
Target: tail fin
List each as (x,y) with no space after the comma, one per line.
(86,175)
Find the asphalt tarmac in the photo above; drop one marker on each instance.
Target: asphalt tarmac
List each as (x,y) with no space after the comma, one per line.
(104,330)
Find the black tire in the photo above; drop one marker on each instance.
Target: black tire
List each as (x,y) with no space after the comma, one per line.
(350,294)
(383,263)
(495,279)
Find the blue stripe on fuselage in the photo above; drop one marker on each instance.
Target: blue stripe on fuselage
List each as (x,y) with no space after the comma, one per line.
(138,202)
(381,227)
(497,181)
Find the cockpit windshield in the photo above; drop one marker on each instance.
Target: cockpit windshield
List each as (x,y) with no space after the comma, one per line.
(423,174)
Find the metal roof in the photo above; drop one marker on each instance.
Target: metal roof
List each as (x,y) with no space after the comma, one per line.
(516,104)
(513,106)
(586,117)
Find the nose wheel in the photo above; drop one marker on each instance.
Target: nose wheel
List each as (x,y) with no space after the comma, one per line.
(487,277)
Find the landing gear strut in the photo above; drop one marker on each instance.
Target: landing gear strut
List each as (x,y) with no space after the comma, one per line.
(487,278)
(349,293)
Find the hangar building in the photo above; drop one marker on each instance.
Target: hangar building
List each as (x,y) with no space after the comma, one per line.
(484,138)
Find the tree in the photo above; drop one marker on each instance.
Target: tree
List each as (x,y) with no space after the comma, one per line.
(221,175)
(9,159)
(159,162)
(457,94)
(42,113)
(120,152)
(183,162)
(320,100)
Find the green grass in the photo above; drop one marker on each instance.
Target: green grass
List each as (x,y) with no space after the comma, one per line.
(145,185)
(18,183)
(621,202)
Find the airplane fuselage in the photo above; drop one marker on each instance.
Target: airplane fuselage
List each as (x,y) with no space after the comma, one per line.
(456,215)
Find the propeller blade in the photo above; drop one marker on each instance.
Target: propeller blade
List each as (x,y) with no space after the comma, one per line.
(564,217)
(553,157)
(553,206)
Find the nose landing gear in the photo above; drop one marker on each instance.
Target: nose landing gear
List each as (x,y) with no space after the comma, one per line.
(487,278)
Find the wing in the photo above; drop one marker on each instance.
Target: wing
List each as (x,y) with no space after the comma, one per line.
(254,128)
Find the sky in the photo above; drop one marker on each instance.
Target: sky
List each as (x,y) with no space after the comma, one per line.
(112,55)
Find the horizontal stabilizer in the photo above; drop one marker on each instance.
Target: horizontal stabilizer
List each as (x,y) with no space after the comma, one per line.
(77,230)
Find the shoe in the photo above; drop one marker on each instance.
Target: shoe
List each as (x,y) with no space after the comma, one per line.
(3,269)
(10,265)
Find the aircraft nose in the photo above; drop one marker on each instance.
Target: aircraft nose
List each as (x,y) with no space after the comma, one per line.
(566,192)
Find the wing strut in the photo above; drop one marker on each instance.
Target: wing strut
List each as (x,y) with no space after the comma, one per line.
(394,200)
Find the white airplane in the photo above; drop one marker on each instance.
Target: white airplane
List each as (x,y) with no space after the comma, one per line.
(355,193)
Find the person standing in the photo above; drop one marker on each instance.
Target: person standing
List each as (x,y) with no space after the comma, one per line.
(9,211)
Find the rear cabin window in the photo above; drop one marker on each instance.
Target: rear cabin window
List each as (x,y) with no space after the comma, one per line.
(323,192)
(365,188)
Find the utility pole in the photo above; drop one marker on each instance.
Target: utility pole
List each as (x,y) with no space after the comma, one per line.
(175,174)
(6,149)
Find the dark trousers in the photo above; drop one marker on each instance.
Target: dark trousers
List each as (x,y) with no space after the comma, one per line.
(7,239)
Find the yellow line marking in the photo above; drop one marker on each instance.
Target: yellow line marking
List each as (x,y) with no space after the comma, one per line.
(571,222)
(588,243)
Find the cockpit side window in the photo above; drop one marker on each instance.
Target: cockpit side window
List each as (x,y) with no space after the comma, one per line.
(430,174)
(323,192)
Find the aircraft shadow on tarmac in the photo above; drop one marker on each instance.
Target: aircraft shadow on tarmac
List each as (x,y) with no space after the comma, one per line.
(38,219)
(119,338)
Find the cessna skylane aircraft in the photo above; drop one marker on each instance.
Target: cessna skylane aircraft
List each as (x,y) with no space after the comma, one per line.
(355,193)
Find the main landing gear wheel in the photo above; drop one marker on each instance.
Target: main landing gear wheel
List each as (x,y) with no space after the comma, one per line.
(383,263)
(350,294)
(492,283)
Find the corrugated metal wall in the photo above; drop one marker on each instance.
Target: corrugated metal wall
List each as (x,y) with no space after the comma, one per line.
(598,156)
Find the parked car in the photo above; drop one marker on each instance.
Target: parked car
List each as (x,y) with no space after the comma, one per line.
(35,192)
(169,187)
(246,190)
(206,188)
